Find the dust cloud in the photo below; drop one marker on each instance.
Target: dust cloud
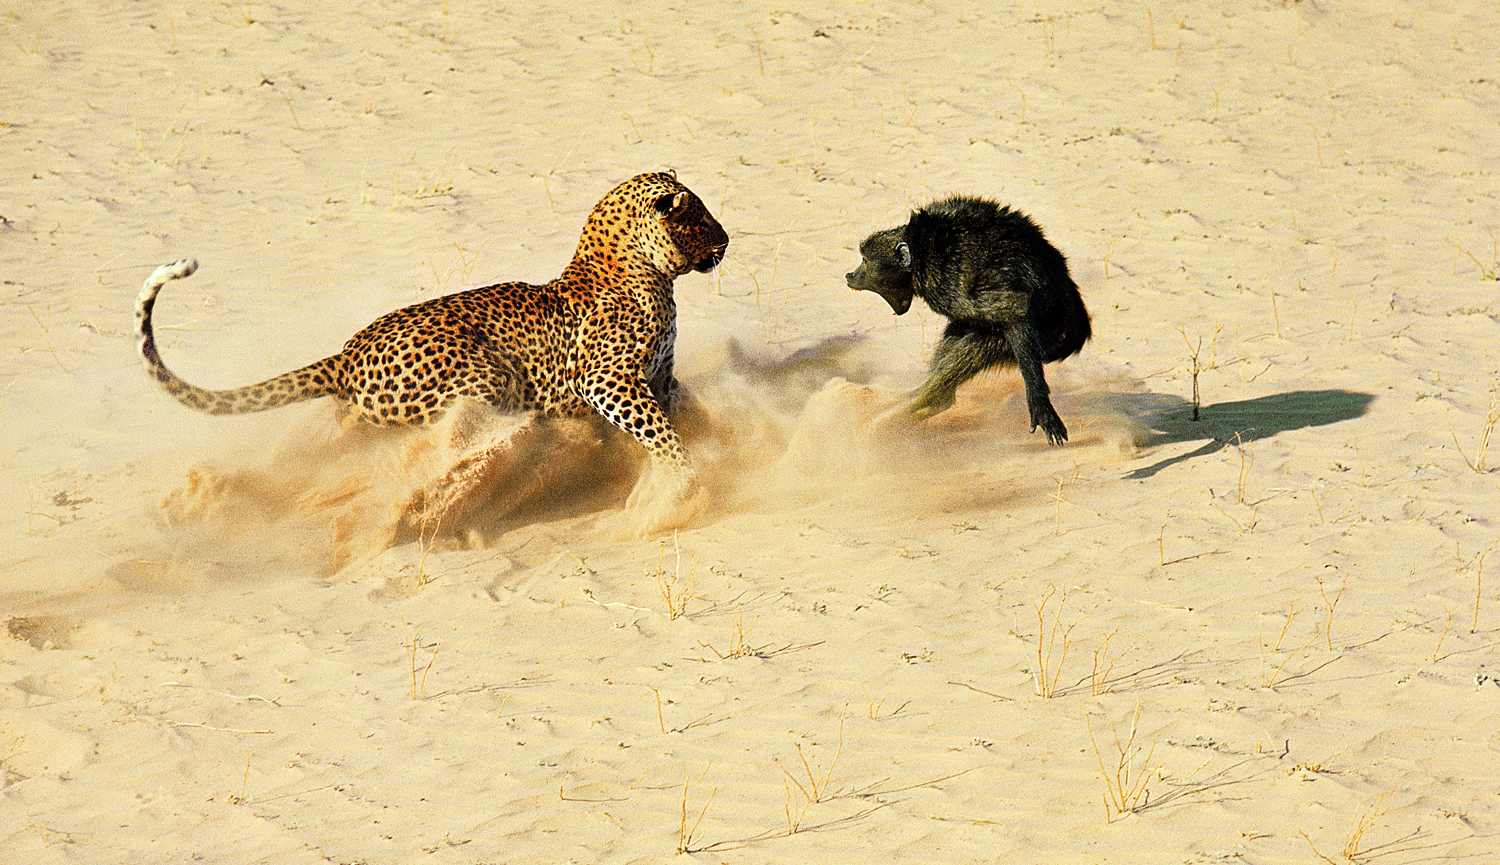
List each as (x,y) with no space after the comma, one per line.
(764,435)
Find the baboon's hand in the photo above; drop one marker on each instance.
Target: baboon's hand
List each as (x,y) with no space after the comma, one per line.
(1045,416)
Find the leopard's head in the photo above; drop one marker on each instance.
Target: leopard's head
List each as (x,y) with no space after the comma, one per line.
(654,216)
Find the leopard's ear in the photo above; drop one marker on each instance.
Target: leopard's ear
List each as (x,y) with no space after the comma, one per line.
(672,204)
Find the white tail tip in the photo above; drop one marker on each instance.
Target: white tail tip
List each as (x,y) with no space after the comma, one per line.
(176,270)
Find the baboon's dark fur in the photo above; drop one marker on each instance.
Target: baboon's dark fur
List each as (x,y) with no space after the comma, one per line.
(1004,289)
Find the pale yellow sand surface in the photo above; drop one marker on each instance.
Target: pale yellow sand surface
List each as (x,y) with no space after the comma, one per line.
(1265,636)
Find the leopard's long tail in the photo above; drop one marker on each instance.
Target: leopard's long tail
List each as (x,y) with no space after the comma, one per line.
(309,382)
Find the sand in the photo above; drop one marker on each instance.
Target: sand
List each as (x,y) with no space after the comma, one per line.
(1268,635)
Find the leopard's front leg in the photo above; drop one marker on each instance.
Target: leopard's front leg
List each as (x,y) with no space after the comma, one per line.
(628,402)
(668,493)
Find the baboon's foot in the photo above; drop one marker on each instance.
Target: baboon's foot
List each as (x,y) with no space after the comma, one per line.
(1045,416)
(927,405)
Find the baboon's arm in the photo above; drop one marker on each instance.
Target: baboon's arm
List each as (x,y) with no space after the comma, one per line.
(1026,343)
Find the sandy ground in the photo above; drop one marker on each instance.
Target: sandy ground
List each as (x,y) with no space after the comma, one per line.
(1265,636)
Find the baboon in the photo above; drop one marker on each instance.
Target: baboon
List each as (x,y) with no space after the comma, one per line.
(1004,289)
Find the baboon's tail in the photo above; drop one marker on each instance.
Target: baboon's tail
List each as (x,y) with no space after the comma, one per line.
(309,382)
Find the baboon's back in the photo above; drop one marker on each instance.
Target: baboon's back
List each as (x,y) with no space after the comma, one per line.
(981,263)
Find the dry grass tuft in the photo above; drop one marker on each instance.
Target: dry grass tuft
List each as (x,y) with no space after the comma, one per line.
(685,834)
(1354,850)
(1128,772)
(738,648)
(1270,653)
(1480,463)
(1197,364)
(1489,271)
(1104,665)
(676,591)
(1052,640)
(412,642)
(817,789)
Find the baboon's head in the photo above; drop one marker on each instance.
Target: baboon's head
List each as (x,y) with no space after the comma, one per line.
(885,268)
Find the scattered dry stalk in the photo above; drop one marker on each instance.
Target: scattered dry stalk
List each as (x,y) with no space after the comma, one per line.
(1328,608)
(244,782)
(1246,527)
(1057,512)
(289,107)
(1247,460)
(1479,584)
(1318,144)
(1109,252)
(793,823)
(423,578)
(871,705)
(1292,611)
(1447,624)
(661,720)
(47,336)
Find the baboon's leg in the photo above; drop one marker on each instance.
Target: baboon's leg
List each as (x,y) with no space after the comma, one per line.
(964,352)
(1024,340)
(960,355)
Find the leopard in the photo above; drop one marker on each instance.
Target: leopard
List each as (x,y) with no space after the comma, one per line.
(598,339)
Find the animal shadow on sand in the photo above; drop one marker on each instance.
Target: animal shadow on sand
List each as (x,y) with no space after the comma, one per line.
(1170,420)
